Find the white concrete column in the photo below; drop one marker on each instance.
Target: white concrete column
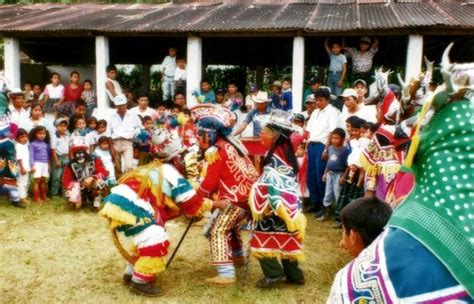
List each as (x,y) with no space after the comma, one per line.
(194,68)
(12,61)
(101,63)
(414,56)
(298,73)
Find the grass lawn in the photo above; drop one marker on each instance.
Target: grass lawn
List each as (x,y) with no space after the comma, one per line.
(52,254)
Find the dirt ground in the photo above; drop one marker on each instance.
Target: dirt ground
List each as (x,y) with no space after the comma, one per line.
(50,254)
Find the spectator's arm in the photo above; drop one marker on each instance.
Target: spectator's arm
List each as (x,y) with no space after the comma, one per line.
(110,86)
(241,128)
(375,44)
(340,83)
(326,45)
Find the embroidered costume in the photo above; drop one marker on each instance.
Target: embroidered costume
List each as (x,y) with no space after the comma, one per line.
(430,233)
(83,178)
(141,204)
(229,176)
(276,208)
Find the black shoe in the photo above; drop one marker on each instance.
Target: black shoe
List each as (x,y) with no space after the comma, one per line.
(146,289)
(309,209)
(127,278)
(19,204)
(270,282)
(300,281)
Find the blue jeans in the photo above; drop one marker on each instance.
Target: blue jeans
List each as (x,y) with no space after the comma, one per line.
(333,78)
(168,87)
(333,188)
(57,174)
(12,192)
(316,167)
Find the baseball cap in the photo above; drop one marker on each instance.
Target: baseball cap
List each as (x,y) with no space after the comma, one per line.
(323,92)
(253,87)
(349,93)
(314,80)
(298,117)
(120,100)
(360,81)
(365,39)
(310,98)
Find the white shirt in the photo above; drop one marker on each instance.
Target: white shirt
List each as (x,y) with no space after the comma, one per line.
(322,123)
(117,89)
(20,117)
(180,74)
(54,92)
(148,112)
(30,124)
(61,144)
(123,128)
(106,158)
(23,154)
(367,113)
(169,66)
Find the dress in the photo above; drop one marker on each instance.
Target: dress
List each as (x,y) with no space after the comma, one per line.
(279,222)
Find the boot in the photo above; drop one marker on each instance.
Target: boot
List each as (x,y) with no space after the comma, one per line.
(322,214)
(238,260)
(19,204)
(270,282)
(147,289)
(36,193)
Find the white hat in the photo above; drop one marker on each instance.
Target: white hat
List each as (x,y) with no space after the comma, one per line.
(349,93)
(120,100)
(261,97)
(15,92)
(310,98)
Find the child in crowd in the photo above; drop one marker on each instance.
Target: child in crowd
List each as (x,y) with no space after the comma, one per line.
(80,109)
(103,152)
(353,178)
(168,70)
(298,136)
(253,90)
(335,168)
(53,96)
(367,130)
(60,154)
(287,94)
(40,157)
(276,96)
(29,95)
(337,67)
(220,93)
(143,140)
(161,118)
(362,222)
(180,75)
(206,94)
(362,58)
(188,131)
(79,136)
(23,161)
(38,95)
(233,99)
(89,96)
(37,119)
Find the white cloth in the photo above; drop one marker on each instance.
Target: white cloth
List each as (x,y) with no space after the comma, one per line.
(169,66)
(22,183)
(41,170)
(357,146)
(54,92)
(321,123)
(180,74)
(23,154)
(117,89)
(61,144)
(106,158)
(20,117)
(123,128)
(367,113)
(48,124)
(148,112)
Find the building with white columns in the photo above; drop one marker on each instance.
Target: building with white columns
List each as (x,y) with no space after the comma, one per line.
(245,33)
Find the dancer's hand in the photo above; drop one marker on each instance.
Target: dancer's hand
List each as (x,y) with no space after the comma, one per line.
(221,204)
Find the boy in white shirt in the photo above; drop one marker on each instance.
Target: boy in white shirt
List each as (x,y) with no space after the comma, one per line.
(60,153)
(180,75)
(168,69)
(23,160)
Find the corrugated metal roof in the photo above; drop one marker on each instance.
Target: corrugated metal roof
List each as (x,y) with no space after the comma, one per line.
(320,16)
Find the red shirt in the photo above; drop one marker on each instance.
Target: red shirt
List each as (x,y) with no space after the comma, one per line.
(72,95)
(230,176)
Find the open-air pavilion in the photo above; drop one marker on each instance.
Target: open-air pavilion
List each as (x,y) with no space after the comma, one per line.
(247,33)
